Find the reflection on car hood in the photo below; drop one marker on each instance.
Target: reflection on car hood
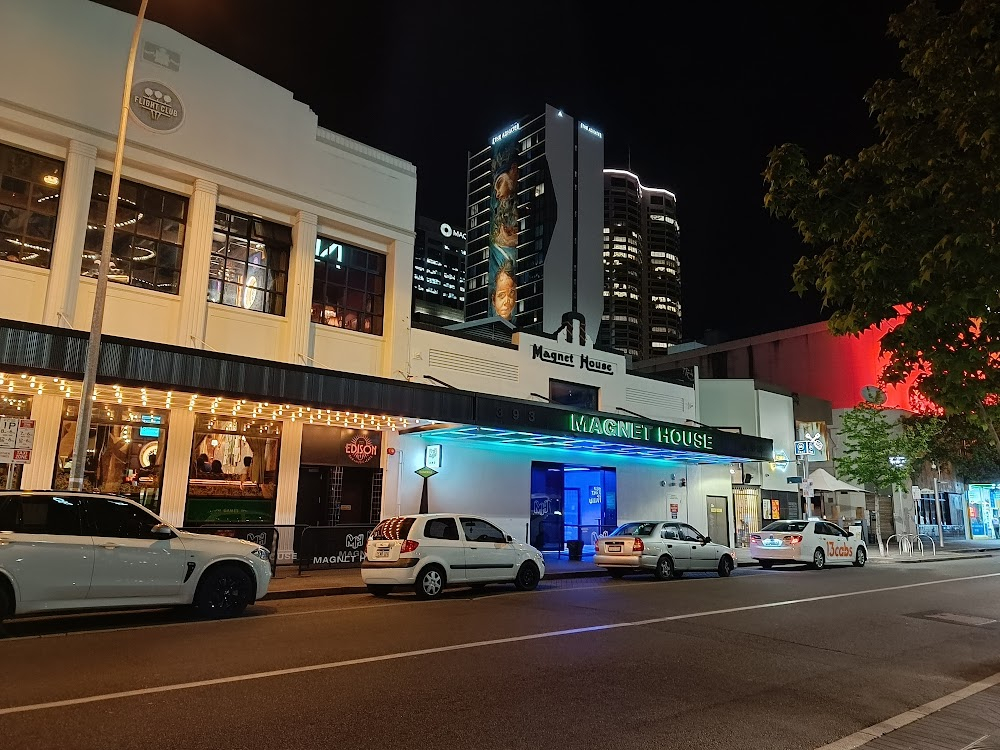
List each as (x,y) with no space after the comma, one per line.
(214,539)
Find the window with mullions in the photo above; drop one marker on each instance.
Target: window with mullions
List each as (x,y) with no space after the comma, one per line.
(249,265)
(29,201)
(349,287)
(148,240)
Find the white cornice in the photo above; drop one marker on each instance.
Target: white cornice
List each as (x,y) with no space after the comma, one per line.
(357,148)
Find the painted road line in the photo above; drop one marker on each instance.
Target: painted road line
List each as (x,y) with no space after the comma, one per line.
(467,646)
(864,736)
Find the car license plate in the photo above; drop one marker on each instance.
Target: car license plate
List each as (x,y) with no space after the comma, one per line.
(614,548)
(381,552)
(772,542)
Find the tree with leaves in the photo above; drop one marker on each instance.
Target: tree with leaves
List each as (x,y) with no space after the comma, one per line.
(881,454)
(905,235)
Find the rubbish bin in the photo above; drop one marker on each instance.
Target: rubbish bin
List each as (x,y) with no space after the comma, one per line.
(575,548)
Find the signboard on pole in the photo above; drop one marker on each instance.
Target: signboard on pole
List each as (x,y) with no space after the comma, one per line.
(25,439)
(8,432)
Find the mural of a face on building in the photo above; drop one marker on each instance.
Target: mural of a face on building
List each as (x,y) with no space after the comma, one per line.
(504,296)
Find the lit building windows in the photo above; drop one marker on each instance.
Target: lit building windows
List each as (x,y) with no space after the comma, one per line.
(349,287)
(29,201)
(249,263)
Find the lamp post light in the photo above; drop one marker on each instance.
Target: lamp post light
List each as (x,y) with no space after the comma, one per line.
(937,503)
(87,396)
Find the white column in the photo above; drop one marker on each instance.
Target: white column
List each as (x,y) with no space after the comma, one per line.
(71,228)
(398,301)
(195,266)
(288,473)
(298,303)
(174,477)
(46,410)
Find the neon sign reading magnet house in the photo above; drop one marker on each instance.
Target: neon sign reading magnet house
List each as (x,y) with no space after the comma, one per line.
(675,437)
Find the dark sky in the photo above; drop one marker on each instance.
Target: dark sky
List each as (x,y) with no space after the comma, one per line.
(698,92)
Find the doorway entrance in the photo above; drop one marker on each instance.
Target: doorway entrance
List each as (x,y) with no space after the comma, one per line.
(718,518)
(571,503)
(338,495)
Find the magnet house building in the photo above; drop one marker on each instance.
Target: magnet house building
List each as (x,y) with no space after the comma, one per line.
(438,273)
(534,224)
(642,275)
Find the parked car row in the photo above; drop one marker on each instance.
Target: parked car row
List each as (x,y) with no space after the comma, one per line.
(62,551)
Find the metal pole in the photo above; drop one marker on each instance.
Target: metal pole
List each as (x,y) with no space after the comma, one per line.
(937,502)
(10,476)
(97,322)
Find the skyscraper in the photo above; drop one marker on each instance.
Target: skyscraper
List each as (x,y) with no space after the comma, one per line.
(438,273)
(534,231)
(642,273)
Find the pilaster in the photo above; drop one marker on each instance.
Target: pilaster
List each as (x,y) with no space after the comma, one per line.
(195,265)
(71,228)
(398,305)
(174,481)
(298,303)
(46,410)
(288,473)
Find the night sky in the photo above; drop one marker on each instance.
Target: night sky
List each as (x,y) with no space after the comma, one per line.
(697,92)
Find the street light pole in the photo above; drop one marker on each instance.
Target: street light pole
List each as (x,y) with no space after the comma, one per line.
(97,322)
(937,503)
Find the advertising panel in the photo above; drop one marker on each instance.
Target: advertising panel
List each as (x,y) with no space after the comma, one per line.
(504,226)
(817,435)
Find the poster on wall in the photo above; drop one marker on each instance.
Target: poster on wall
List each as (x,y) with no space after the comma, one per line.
(503,227)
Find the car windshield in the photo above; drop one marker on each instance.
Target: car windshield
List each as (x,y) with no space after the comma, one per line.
(634,529)
(393,528)
(796,526)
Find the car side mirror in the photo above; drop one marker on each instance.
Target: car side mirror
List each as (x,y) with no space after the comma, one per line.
(706,540)
(849,534)
(162,531)
(510,539)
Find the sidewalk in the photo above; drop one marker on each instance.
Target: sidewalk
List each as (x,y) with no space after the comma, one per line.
(289,584)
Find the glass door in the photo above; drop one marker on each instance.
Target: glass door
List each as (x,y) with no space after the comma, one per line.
(546,527)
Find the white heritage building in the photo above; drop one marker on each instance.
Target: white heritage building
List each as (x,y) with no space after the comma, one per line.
(259,364)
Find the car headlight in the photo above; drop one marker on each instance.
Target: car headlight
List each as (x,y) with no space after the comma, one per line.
(262,553)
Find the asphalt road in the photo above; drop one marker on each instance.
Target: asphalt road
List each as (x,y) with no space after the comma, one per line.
(789,658)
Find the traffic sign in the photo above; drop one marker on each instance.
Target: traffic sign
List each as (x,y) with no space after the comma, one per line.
(13,456)
(804,448)
(8,432)
(25,434)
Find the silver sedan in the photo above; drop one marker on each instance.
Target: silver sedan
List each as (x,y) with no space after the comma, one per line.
(667,548)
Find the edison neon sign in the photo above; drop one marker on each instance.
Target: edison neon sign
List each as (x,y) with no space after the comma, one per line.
(678,437)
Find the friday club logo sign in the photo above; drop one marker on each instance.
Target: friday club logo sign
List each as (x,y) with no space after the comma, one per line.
(360,449)
(156,106)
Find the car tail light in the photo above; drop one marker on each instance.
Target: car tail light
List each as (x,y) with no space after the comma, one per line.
(637,545)
(408,546)
(794,539)
(755,537)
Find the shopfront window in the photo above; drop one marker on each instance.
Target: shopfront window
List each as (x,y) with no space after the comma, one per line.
(348,287)
(13,406)
(571,504)
(148,240)
(249,264)
(124,451)
(29,202)
(233,476)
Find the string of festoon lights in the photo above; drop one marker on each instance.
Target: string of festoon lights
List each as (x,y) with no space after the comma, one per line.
(15,390)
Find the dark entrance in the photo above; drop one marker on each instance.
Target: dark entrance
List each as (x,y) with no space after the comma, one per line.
(571,504)
(356,496)
(312,506)
(337,495)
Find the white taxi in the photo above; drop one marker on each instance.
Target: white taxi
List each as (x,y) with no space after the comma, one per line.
(814,541)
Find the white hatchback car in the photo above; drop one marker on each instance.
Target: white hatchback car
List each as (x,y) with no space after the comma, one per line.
(667,548)
(431,551)
(74,551)
(818,542)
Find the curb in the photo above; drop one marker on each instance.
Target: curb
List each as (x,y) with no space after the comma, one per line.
(362,589)
(916,561)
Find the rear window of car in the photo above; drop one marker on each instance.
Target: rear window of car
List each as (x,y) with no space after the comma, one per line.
(634,529)
(393,528)
(795,526)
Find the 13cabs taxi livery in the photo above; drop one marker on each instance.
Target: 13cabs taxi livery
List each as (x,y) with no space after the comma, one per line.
(815,541)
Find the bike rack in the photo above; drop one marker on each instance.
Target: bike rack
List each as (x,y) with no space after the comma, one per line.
(930,539)
(903,541)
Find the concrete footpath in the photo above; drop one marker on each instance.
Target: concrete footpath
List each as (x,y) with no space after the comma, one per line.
(290,584)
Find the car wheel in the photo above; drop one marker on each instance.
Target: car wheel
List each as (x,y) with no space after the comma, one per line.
(819,559)
(379,589)
(725,566)
(766,564)
(527,577)
(6,605)
(664,569)
(860,558)
(430,582)
(224,591)
(616,573)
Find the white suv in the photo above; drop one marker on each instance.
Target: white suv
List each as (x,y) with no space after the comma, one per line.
(431,551)
(73,551)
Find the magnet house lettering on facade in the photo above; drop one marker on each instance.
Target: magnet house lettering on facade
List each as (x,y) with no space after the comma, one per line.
(679,437)
(557,358)
(596,365)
